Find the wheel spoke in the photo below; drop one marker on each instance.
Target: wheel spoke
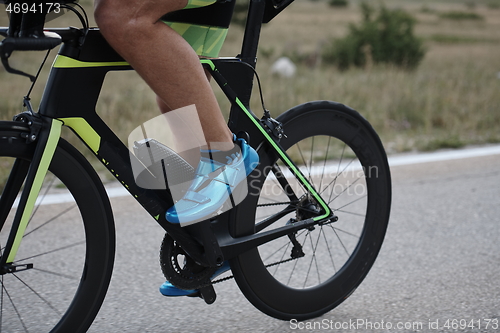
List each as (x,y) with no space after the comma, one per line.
(37,294)
(334,180)
(338,168)
(47,188)
(307,170)
(328,248)
(287,245)
(313,259)
(311,160)
(50,220)
(57,274)
(342,243)
(351,213)
(14,307)
(345,232)
(343,191)
(350,203)
(324,164)
(52,251)
(302,157)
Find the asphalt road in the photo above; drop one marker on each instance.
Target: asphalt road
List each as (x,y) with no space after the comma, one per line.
(438,270)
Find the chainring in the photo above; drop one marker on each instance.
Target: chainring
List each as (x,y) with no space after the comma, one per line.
(179,269)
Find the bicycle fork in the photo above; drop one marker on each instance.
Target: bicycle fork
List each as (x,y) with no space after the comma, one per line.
(33,175)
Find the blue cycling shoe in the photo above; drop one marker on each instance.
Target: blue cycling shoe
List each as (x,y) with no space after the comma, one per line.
(167,289)
(215,181)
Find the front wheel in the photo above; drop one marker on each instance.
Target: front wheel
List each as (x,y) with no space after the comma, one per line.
(65,258)
(311,271)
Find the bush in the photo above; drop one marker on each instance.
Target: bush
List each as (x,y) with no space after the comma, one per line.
(493,4)
(388,38)
(459,15)
(338,3)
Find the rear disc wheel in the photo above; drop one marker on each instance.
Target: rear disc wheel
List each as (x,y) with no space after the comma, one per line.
(315,269)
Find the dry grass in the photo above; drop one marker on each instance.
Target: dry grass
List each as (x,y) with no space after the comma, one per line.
(451,99)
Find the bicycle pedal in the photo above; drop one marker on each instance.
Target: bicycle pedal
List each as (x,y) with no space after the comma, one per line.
(196,294)
(243,135)
(208,294)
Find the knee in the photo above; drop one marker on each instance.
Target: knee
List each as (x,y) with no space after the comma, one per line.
(108,17)
(118,17)
(118,22)
(102,12)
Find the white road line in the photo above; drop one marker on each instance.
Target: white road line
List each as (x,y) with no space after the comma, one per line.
(399,160)
(444,155)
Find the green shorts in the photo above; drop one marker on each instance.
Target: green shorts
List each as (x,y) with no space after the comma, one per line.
(203,24)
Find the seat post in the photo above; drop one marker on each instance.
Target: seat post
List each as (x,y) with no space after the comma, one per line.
(252,31)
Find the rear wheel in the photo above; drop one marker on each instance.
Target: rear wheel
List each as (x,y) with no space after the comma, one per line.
(69,242)
(313,270)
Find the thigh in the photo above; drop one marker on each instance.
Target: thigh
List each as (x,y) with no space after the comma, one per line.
(134,9)
(204,25)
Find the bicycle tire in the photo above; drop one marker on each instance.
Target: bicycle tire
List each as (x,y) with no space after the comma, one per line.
(285,286)
(71,245)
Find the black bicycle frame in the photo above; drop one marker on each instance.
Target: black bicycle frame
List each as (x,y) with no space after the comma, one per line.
(71,95)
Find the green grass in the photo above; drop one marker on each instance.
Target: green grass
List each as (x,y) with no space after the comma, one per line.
(457,39)
(338,3)
(443,143)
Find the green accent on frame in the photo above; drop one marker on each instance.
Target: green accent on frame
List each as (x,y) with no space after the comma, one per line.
(67,62)
(84,131)
(289,163)
(209,63)
(199,3)
(43,167)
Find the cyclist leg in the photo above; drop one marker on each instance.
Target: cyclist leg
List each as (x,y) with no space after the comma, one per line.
(180,124)
(172,69)
(163,59)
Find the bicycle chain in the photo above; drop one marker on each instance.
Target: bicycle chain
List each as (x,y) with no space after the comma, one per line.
(273,204)
(232,276)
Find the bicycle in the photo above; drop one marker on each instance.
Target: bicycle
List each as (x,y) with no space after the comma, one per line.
(298,245)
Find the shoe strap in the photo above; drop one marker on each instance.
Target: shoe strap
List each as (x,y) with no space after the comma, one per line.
(196,197)
(228,176)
